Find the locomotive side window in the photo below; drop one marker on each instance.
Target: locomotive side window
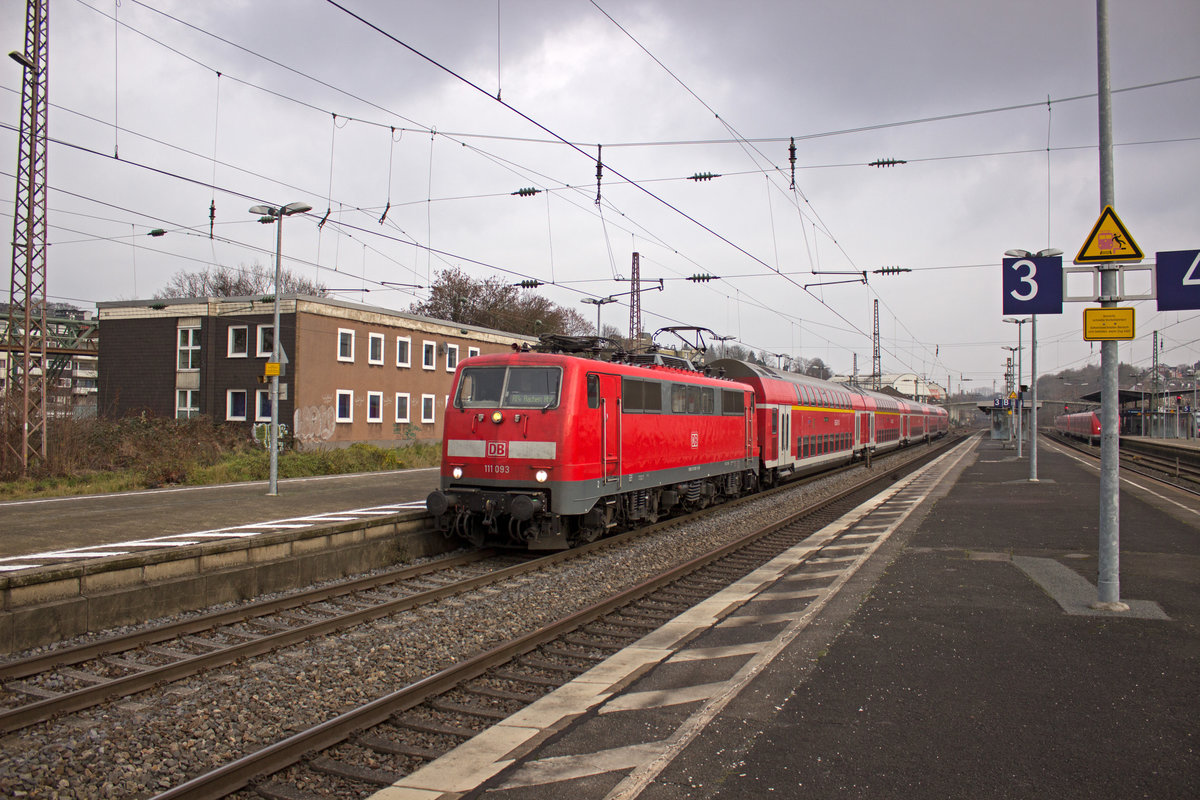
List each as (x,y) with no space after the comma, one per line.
(593,391)
(632,392)
(733,404)
(652,397)
(708,400)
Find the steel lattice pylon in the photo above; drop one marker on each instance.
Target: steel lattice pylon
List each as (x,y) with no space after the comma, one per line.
(635,302)
(26,333)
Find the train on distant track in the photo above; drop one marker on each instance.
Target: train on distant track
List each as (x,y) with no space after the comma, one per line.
(1081,425)
(547,448)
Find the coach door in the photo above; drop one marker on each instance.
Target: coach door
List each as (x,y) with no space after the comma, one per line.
(610,423)
(862,432)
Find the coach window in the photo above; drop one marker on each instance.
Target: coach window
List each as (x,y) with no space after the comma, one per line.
(593,390)
(775,420)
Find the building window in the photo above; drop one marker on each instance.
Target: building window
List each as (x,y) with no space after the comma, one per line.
(266,340)
(189,349)
(403,351)
(451,357)
(401,406)
(345,405)
(374,406)
(427,408)
(345,345)
(187,403)
(235,405)
(429,355)
(262,405)
(239,341)
(374,348)
(472,352)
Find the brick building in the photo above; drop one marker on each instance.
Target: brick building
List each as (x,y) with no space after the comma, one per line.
(354,373)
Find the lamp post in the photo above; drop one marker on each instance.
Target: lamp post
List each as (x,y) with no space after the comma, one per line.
(1020,394)
(276,215)
(599,303)
(1048,252)
(1017,386)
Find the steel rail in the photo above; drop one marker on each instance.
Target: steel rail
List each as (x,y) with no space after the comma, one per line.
(239,773)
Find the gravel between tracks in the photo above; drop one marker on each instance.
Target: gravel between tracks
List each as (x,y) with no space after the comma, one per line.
(139,746)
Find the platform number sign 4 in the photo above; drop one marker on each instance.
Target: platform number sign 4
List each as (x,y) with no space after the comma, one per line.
(1178,279)
(1033,285)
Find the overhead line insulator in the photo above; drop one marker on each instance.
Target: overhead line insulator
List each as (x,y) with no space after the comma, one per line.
(528,191)
(703,176)
(529,284)
(891,270)
(887,162)
(703,277)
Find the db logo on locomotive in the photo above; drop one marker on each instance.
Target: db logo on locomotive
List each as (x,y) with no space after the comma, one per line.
(497,449)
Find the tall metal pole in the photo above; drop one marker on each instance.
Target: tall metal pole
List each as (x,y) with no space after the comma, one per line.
(273,483)
(1033,378)
(1020,394)
(1108,581)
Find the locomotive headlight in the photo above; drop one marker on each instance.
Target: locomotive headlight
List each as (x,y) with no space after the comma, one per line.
(456,472)
(497,417)
(541,476)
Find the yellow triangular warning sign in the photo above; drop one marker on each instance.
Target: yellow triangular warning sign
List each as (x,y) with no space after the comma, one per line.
(1109,241)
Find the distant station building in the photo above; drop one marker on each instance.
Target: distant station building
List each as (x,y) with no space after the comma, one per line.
(71,360)
(904,384)
(352,372)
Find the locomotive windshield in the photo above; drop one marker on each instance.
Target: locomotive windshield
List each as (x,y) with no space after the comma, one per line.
(508,387)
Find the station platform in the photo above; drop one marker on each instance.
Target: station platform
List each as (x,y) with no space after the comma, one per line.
(961,658)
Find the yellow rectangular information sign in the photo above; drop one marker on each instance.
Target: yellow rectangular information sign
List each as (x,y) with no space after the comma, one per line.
(272,367)
(1103,324)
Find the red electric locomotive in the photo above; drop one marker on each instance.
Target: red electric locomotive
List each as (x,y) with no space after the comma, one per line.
(1082,425)
(551,450)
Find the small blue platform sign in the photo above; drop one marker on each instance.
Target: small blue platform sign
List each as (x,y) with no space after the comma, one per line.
(1177,275)
(1033,285)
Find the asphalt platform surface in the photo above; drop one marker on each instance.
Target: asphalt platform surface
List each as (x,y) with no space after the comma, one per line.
(954,674)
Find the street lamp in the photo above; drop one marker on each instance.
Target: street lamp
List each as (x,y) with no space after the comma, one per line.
(1017,386)
(1020,394)
(273,214)
(1048,252)
(599,304)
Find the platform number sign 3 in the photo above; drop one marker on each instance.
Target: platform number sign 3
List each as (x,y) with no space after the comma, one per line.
(1178,279)
(1033,285)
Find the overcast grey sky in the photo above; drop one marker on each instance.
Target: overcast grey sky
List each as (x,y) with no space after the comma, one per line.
(991,104)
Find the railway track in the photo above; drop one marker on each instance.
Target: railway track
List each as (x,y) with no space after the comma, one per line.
(71,679)
(377,743)
(1168,468)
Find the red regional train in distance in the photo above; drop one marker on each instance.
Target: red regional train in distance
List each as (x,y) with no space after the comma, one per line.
(548,450)
(1082,425)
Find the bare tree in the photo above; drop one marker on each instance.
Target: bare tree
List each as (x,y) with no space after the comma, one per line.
(493,303)
(240,281)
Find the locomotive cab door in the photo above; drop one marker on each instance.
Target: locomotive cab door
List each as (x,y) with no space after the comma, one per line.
(604,393)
